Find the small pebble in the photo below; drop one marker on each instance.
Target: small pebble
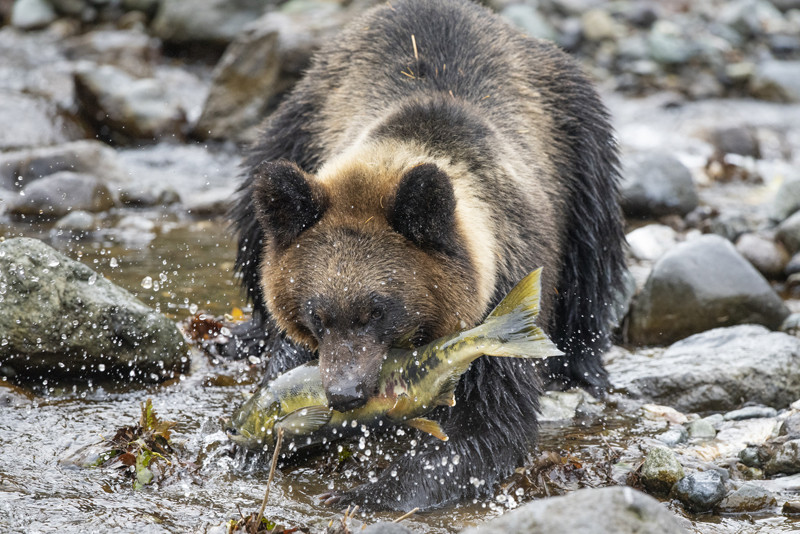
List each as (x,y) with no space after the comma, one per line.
(751,412)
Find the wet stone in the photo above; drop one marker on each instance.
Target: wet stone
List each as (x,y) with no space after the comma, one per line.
(77,221)
(791,426)
(660,470)
(614,510)
(768,257)
(655,184)
(32,14)
(785,459)
(748,498)
(57,316)
(701,429)
(63,192)
(751,412)
(735,140)
(652,241)
(750,457)
(36,121)
(791,508)
(750,363)
(701,491)
(676,435)
(698,285)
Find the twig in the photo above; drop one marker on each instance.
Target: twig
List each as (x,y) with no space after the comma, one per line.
(406,515)
(275,455)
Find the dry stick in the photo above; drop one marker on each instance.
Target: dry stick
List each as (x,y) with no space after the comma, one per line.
(406,515)
(271,474)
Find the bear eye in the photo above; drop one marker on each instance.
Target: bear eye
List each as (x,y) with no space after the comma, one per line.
(316,319)
(377,313)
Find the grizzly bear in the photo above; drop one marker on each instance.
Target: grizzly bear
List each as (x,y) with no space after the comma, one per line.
(430,158)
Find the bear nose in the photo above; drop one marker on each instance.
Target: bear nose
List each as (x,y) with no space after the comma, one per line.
(346,397)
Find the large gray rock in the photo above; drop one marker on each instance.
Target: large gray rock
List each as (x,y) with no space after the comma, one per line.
(777,80)
(60,193)
(719,370)
(262,63)
(213,21)
(614,510)
(699,285)
(36,122)
(58,316)
(21,167)
(125,109)
(655,184)
(700,492)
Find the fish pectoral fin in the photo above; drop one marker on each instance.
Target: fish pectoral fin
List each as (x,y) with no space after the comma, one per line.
(402,407)
(446,398)
(305,420)
(428,426)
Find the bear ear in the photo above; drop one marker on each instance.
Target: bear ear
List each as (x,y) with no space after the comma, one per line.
(287,203)
(424,208)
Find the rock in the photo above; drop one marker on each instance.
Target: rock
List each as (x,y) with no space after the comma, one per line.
(561,405)
(700,492)
(660,470)
(787,198)
(656,184)
(749,456)
(786,5)
(777,80)
(667,44)
(211,21)
(77,221)
(701,429)
(751,412)
(57,316)
(36,120)
(676,435)
(750,18)
(748,498)
(132,51)
(72,8)
(614,510)
(698,285)
(785,459)
(650,242)
(215,201)
(385,527)
(764,254)
(32,14)
(262,64)
(530,21)
(20,168)
(60,193)
(791,426)
(715,420)
(791,508)
(124,109)
(732,225)
(789,233)
(718,370)
(735,140)
(599,25)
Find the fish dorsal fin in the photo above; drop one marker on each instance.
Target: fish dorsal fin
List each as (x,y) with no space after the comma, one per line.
(428,426)
(305,420)
(402,407)
(524,296)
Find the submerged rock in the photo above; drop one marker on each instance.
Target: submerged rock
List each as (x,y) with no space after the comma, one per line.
(615,510)
(57,316)
(660,470)
(699,285)
(700,492)
(748,498)
(718,370)
(655,184)
(63,192)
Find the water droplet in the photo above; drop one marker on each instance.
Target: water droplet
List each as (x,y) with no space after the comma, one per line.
(113,263)
(147,282)
(193,308)
(92,279)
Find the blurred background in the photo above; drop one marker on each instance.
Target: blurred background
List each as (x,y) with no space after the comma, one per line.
(122,125)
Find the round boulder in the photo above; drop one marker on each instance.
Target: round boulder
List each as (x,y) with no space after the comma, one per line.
(698,285)
(655,184)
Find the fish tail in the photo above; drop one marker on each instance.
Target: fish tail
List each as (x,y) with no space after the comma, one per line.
(510,330)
